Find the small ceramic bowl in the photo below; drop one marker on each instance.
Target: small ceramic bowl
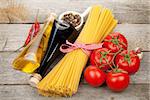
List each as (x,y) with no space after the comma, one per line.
(82,15)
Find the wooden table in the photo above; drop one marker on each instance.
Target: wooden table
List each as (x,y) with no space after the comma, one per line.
(134,23)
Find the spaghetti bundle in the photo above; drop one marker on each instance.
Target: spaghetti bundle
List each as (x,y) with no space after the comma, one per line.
(64,78)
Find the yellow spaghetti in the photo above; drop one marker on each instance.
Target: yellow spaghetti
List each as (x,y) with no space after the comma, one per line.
(64,78)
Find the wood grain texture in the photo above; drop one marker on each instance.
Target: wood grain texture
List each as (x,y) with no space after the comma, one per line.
(85,92)
(14,84)
(12,36)
(7,74)
(126,11)
(11,76)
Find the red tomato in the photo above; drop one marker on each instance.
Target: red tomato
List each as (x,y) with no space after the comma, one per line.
(100,57)
(128,61)
(94,76)
(115,41)
(117,81)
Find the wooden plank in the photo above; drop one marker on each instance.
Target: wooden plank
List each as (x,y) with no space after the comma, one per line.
(126,11)
(138,35)
(12,36)
(85,92)
(11,76)
(7,73)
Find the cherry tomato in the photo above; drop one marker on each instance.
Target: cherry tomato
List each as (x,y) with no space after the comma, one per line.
(117,81)
(94,76)
(101,58)
(115,41)
(128,61)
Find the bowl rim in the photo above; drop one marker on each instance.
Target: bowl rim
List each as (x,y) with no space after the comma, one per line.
(74,12)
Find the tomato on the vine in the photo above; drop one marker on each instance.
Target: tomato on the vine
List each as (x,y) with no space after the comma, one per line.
(115,41)
(117,81)
(101,58)
(128,61)
(94,76)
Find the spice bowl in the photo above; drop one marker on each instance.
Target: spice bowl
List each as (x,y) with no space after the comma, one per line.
(75,18)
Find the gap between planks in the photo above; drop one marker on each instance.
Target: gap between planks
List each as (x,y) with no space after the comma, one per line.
(125,10)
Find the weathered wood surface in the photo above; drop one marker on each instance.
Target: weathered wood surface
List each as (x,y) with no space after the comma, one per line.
(126,11)
(14,84)
(85,92)
(11,76)
(12,36)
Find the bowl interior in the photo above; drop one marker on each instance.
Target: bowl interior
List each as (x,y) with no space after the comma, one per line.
(74,12)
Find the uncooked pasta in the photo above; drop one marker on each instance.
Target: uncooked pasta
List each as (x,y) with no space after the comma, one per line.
(64,78)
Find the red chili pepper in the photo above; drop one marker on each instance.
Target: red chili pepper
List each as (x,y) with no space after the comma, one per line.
(32,32)
(37,28)
(28,39)
(36,25)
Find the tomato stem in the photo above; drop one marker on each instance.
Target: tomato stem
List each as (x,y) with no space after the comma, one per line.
(127,58)
(115,56)
(109,64)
